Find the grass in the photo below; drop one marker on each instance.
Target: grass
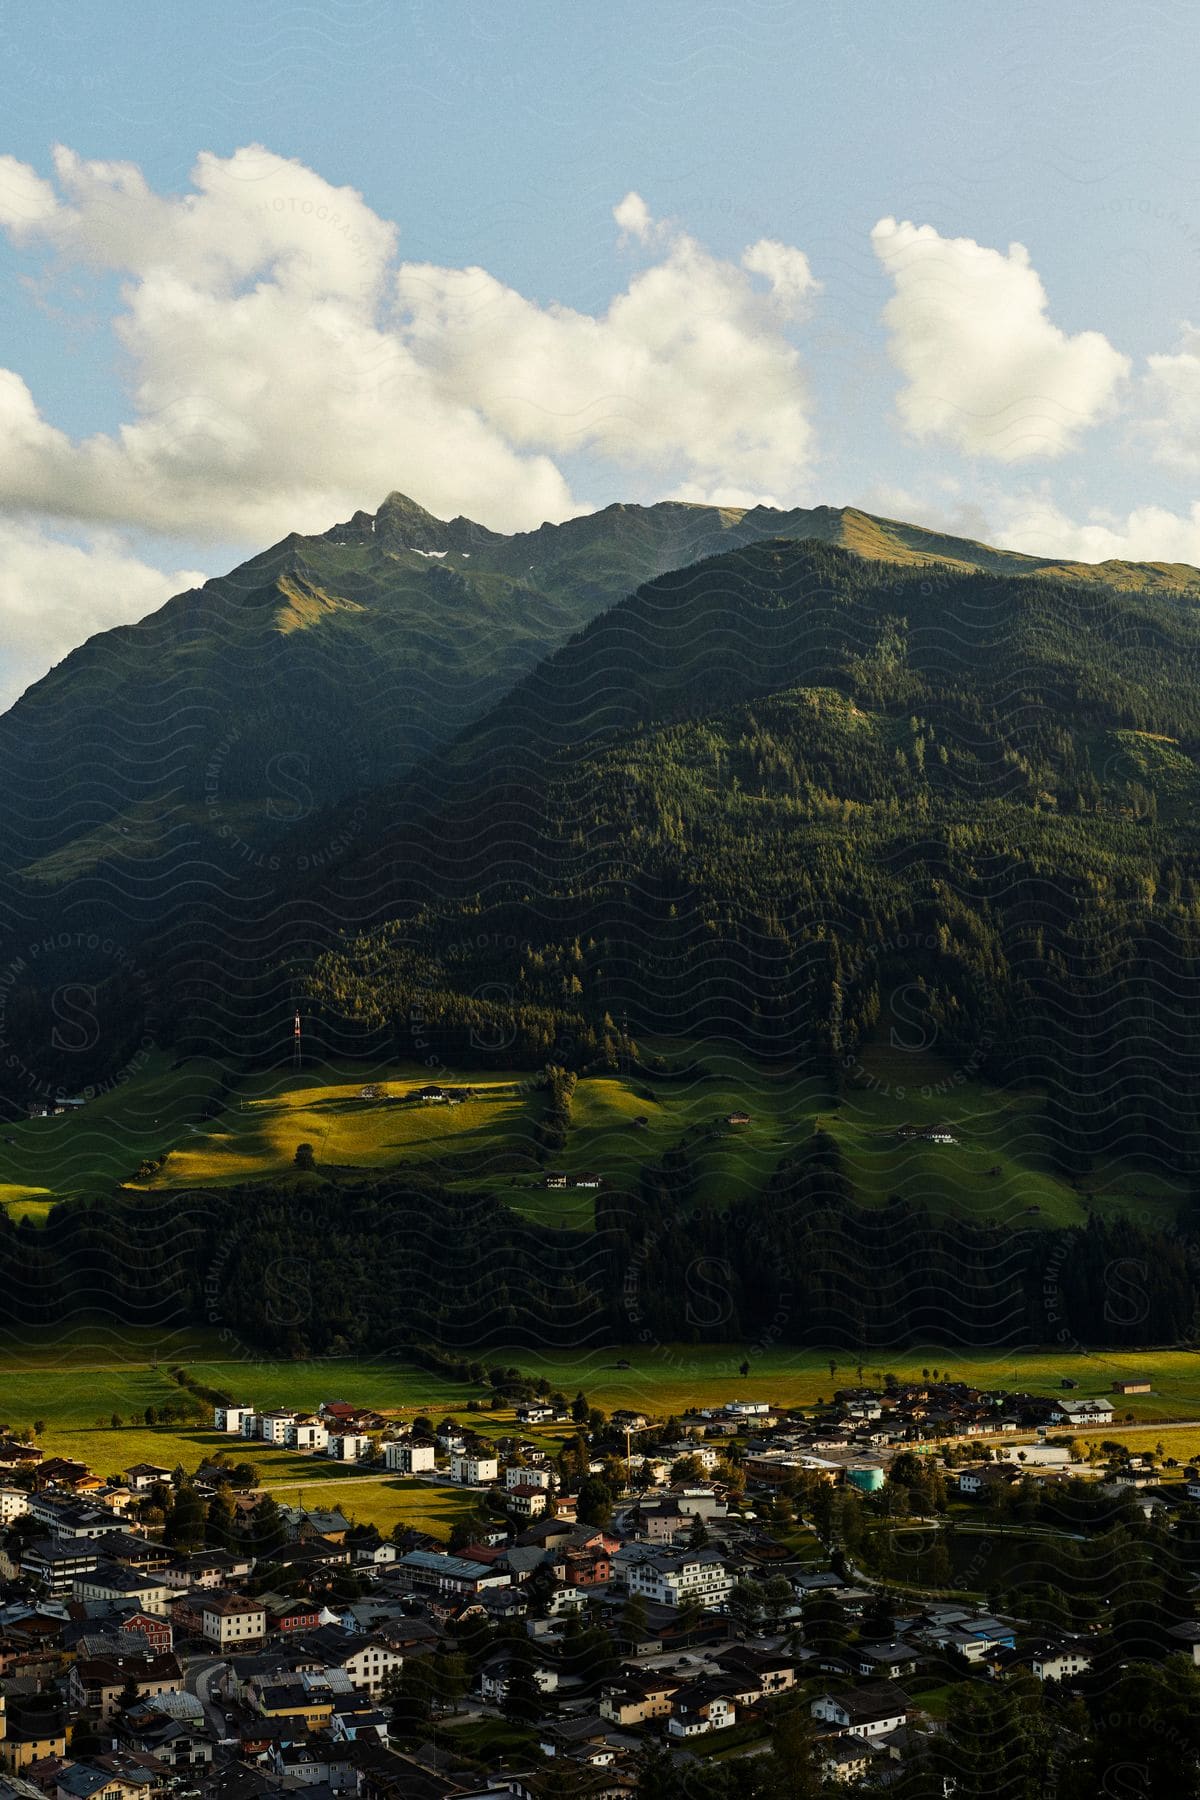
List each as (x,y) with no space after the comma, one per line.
(668,1378)
(73,1383)
(383,1502)
(258,1132)
(87,1153)
(998,1168)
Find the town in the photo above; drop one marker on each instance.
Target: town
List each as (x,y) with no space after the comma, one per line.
(621,1587)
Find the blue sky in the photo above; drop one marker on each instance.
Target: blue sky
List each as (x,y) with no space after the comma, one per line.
(1013,398)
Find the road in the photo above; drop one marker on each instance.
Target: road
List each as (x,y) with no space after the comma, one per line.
(198,1678)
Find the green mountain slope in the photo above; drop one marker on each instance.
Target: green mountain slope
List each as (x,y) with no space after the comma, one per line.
(796,798)
(333,663)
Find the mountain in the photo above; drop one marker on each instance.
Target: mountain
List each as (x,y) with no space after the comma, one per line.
(791,796)
(328,665)
(196,802)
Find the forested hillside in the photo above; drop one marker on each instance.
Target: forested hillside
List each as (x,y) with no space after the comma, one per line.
(766,793)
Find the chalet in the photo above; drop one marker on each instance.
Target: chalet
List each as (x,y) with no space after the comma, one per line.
(143,1476)
(1133,1384)
(845,1759)
(737,1118)
(1060,1660)
(702,1706)
(556,1178)
(588,1181)
(887,1660)
(431,1096)
(866,1712)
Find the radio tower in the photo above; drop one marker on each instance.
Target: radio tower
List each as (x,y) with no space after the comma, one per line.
(296,1040)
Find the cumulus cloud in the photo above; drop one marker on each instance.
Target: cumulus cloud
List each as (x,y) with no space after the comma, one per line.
(1039,526)
(1170,402)
(286,368)
(688,369)
(53,593)
(985,367)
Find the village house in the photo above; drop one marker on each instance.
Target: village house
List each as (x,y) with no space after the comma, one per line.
(97,1683)
(1060,1660)
(143,1476)
(228,1620)
(700,1707)
(866,1712)
(110,1581)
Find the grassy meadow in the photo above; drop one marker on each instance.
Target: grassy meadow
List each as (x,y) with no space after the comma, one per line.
(996,1169)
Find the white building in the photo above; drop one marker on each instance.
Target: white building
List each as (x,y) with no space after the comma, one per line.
(473,1470)
(348,1446)
(307,1434)
(410,1459)
(273,1427)
(516,1476)
(14,1503)
(676,1578)
(1060,1662)
(231,1619)
(229,1418)
(1087,1412)
(863,1712)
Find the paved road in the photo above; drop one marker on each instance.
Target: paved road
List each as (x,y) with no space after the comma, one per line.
(198,1679)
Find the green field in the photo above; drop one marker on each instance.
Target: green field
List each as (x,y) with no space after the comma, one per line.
(75,1386)
(998,1167)
(90,1152)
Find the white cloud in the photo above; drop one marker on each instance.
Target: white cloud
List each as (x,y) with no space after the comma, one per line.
(285,369)
(26,201)
(1170,402)
(986,368)
(1036,524)
(633,216)
(688,371)
(53,593)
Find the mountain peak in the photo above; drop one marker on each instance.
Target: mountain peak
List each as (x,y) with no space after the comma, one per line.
(401,523)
